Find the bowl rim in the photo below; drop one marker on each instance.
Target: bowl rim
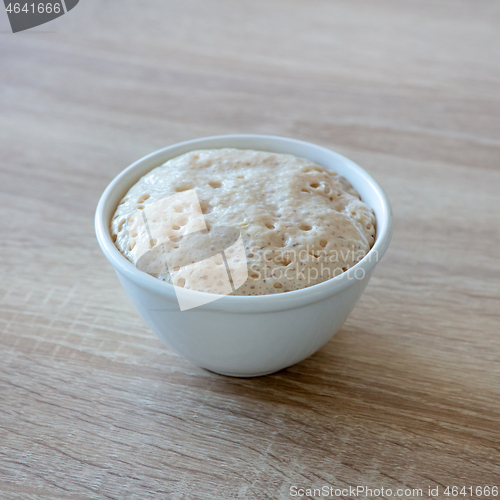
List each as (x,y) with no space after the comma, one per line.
(253,303)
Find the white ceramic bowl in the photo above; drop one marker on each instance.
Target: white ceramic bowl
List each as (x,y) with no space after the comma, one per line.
(254,335)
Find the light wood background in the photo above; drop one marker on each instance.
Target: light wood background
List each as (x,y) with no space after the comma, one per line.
(407,395)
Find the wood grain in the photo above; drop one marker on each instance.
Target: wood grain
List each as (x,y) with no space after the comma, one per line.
(407,395)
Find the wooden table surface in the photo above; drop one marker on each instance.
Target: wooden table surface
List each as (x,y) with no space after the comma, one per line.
(406,395)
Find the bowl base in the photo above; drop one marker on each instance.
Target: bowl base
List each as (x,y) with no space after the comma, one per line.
(244,375)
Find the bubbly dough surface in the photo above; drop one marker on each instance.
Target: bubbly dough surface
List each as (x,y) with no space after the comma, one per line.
(301,224)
